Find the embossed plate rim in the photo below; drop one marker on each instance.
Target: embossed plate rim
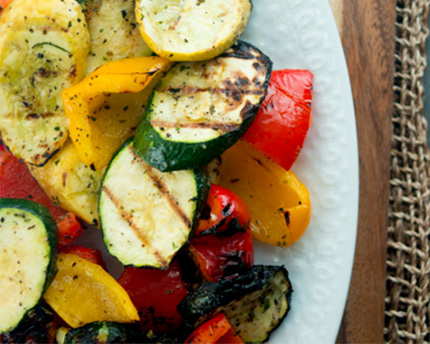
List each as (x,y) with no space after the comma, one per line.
(302,34)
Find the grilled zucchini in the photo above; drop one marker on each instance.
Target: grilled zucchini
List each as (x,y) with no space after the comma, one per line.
(146,215)
(255,302)
(43,50)
(200,109)
(28,252)
(191,30)
(114,32)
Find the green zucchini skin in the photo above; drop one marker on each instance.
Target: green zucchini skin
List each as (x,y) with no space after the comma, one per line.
(97,332)
(51,232)
(110,332)
(255,302)
(109,195)
(170,154)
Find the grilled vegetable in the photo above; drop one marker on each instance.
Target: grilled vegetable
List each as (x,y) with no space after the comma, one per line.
(17,182)
(105,108)
(37,327)
(28,251)
(255,302)
(111,332)
(200,109)
(220,257)
(97,333)
(224,213)
(156,294)
(71,183)
(69,229)
(92,255)
(283,121)
(191,30)
(146,215)
(279,203)
(43,52)
(83,292)
(113,31)
(215,330)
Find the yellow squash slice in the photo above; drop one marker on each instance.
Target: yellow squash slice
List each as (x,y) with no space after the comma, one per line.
(279,204)
(83,292)
(114,32)
(71,183)
(43,50)
(191,30)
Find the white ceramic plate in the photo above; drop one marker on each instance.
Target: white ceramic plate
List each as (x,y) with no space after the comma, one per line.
(301,34)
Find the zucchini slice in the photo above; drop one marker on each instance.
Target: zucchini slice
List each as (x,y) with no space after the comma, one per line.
(191,30)
(255,302)
(146,215)
(43,50)
(28,253)
(114,32)
(97,332)
(200,109)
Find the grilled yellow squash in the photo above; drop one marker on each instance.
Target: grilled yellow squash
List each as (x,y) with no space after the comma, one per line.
(71,183)
(43,50)
(191,30)
(114,32)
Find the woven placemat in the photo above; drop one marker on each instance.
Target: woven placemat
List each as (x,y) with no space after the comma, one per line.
(407,303)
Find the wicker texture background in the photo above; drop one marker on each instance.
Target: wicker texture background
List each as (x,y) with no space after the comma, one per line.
(407,317)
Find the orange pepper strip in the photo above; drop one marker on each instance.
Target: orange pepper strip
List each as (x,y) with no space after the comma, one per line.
(278,202)
(215,330)
(105,108)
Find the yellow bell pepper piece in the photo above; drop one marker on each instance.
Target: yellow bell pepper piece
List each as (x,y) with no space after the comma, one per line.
(83,292)
(279,204)
(105,108)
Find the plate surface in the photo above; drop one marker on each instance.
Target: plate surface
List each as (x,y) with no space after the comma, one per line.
(302,34)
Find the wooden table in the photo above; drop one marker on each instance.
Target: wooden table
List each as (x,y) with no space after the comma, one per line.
(367,29)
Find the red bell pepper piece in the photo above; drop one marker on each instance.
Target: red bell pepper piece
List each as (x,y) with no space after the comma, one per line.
(216,330)
(17,182)
(222,245)
(220,257)
(92,255)
(69,228)
(156,294)
(225,213)
(284,118)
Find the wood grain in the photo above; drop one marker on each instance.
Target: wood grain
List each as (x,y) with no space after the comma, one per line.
(367,28)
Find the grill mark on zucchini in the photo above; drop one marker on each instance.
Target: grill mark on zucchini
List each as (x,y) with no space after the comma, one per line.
(129,219)
(164,191)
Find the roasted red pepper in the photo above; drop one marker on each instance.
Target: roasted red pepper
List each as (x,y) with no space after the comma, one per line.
(225,213)
(69,228)
(283,121)
(222,245)
(156,294)
(17,182)
(92,255)
(216,330)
